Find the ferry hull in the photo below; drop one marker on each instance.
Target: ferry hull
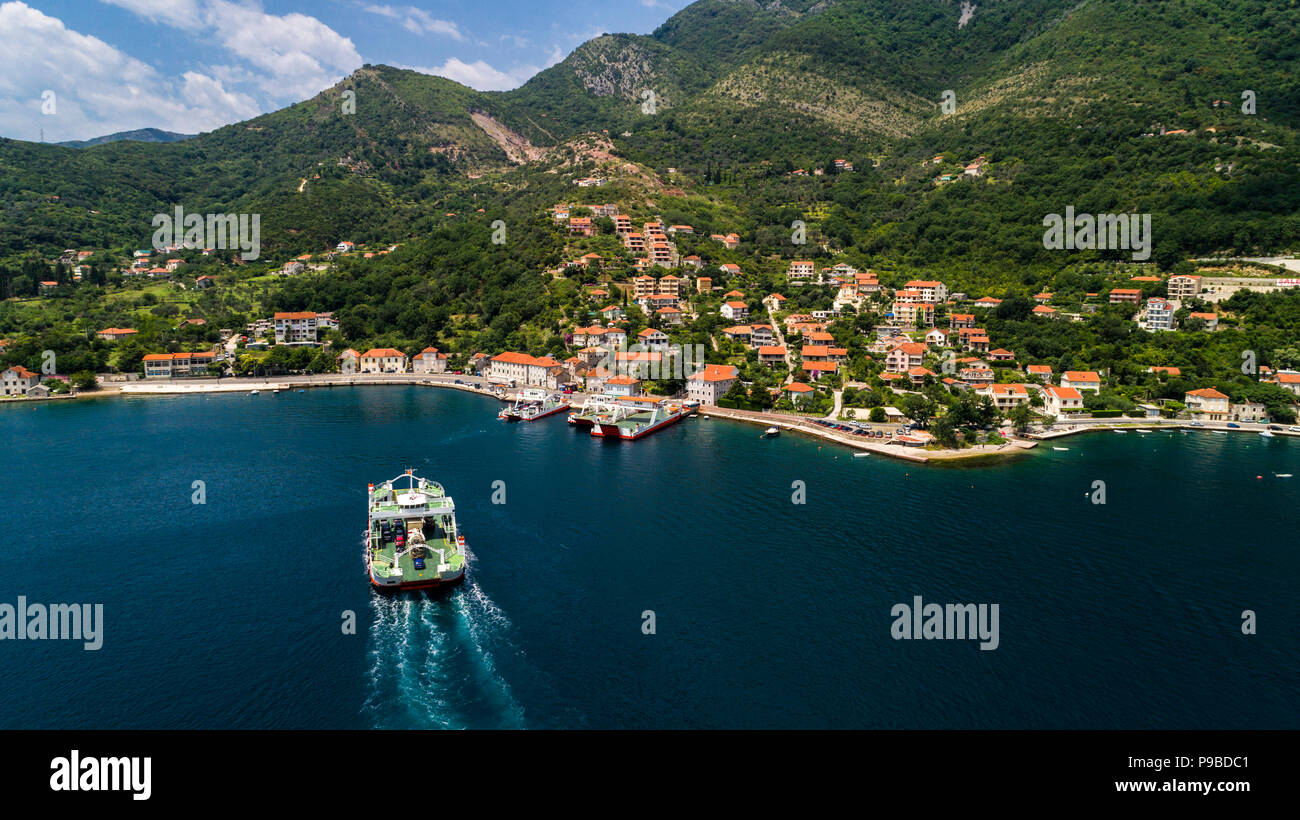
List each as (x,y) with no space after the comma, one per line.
(579,421)
(607,430)
(559,409)
(442,580)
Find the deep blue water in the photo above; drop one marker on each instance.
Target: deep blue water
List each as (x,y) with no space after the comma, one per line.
(769,614)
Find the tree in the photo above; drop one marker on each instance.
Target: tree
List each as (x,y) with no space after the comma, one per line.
(878,415)
(85,380)
(918,408)
(1020,416)
(944,432)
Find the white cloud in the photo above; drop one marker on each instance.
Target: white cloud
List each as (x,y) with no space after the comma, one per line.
(97,88)
(300,55)
(480,75)
(183,14)
(416,21)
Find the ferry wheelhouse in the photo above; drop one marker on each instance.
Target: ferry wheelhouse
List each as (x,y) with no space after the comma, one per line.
(533,404)
(412,541)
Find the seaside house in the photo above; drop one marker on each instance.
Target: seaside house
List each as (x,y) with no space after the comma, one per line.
(521,368)
(383,360)
(711,383)
(429,360)
(17,380)
(1060,401)
(1207,404)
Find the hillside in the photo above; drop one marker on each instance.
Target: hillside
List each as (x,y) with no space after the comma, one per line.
(1058,96)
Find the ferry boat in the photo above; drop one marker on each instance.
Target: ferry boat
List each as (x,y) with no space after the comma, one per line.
(533,404)
(585,416)
(412,541)
(635,416)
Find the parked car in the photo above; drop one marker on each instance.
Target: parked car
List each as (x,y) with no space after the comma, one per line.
(458,381)
(1235,425)
(1198,424)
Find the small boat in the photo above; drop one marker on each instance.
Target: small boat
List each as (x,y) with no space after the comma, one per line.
(1061,449)
(300,390)
(1281,475)
(771,432)
(1119,431)
(1143,430)
(1220,432)
(254,392)
(1267,434)
(275,391)
(861,455)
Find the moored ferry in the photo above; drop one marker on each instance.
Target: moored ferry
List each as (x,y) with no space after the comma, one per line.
(533,404)
(635,416)
(585,416)
(412,541)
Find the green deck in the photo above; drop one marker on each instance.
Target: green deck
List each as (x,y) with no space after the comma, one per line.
(384,560)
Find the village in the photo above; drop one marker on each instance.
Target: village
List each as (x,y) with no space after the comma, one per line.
(764,355)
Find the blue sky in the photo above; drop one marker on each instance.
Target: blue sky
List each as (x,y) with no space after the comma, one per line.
(83,68)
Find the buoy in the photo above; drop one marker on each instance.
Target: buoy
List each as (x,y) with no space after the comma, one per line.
(1258,477)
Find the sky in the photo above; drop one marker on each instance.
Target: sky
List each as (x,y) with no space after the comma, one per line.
(76,69)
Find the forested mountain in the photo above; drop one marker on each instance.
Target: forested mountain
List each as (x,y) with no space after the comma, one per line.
(1070,102)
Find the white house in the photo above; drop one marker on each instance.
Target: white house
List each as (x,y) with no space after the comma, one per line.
(711,383)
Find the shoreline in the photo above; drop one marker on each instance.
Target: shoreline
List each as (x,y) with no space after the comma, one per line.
(785,422)
(918,455)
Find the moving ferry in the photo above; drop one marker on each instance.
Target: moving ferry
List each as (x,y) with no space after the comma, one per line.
(533,404)
(632,417)
(412,541)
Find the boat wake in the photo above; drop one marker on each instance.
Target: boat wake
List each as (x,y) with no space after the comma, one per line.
(432,662)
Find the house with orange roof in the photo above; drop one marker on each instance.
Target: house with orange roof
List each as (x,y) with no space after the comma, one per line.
(904,356)
(1060,401)
(116,334)
(652,339)
(1207,404)
(622,386)
(1002,355)
(1119,295)
(1168,371)
(798,391)
(429,360)
(771,355)
(1289,381)
(670,315)
(1041,372)
(1082,380)
(918,375)
(520,368)
(1211,320)
(711,383)
(1004,396)
(383,360)
(17,380)
(987,302)
(734,310)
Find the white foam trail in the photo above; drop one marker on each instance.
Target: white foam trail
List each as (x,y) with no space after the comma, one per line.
(431,663)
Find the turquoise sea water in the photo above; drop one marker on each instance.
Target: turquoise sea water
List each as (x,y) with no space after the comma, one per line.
(768,613)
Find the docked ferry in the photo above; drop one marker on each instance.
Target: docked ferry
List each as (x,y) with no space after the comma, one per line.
(533,404)
(635,416)
(585,416)
(412,541)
